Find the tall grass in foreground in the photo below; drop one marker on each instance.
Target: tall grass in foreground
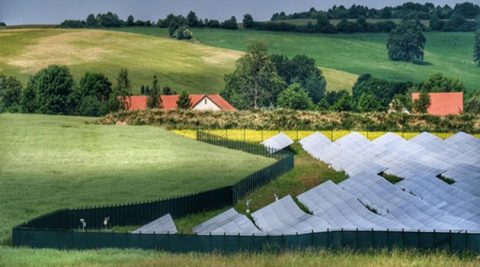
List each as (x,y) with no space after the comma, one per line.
(110,257)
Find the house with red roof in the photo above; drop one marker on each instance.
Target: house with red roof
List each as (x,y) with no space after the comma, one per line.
(169,102)
(443,104)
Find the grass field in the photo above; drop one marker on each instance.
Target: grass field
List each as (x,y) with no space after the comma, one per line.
(181,65)
(450,53)
(353,54)
(16,257)
(52,162)
(199,66)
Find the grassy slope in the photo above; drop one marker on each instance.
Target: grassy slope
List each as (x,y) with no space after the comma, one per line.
(49,162)
(450,53)
(350,55)
(16,257)
(181,65)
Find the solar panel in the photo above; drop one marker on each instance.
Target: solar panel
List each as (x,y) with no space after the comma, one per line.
(443,196)
(339,208)
(285,217)
(162,225)
(406,208)
(229,222)
(277,142)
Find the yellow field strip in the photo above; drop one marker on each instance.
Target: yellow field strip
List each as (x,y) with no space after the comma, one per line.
(249,135)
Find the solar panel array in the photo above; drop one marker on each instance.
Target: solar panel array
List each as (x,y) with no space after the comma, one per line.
(162,225)
(421,201)
(277,142)
(229,222)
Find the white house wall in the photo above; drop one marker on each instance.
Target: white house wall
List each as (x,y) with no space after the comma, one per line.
(206,104)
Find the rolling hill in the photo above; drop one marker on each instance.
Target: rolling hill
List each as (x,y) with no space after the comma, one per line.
(181,65)
(199,66)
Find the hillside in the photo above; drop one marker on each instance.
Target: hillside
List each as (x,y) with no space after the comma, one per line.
(52,162)
(348,55)
(181,65)
(450,53)
(199,66)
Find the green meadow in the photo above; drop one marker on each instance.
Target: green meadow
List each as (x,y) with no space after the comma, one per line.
(53,162)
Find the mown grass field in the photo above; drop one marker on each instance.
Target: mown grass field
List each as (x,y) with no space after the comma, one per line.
(180,65)
(53,162)
(110,257)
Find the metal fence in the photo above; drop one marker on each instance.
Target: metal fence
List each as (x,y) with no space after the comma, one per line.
(338,239)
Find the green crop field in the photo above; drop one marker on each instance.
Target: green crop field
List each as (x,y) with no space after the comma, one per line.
(181,65)
(52,162)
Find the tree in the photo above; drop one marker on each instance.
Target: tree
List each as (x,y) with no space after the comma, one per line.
(406,42)
(28,101)
(10,93)
(93,94)
(435,23)
(248,21)
(473,105)
(168,91)
(230,24)
(476,47)
(121,91)
(95,84)
(439,83)
(183,101)
(53,88)
(183,33)
(422,104)
(192,19)
(91,21)
(382,90)
(154,100)
(301,69)
(130,21)
(3,25)
(254,82)
(367,103)
(295,97)
(344,103)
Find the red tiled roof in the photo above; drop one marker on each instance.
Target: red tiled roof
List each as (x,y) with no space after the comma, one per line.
(169,102)
(221,102)
(136,102)
(442,104)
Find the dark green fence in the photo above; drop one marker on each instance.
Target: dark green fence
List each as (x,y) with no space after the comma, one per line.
(253,148)
(356,240)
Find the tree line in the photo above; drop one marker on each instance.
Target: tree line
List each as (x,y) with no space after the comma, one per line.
(264,81)
(407,10)
(112,20)
(456,23)
(53,90)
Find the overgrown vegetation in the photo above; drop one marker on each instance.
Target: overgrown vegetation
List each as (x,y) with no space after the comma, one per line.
(292,120)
